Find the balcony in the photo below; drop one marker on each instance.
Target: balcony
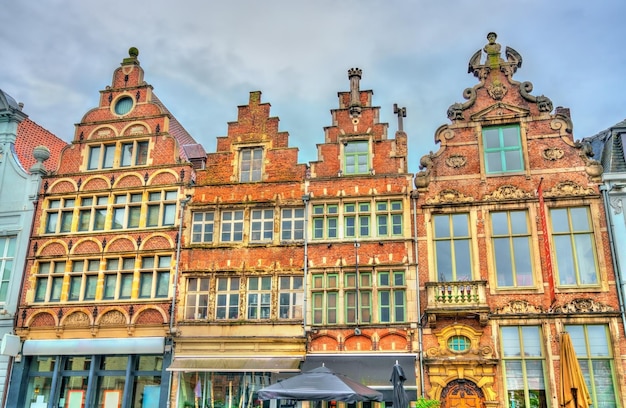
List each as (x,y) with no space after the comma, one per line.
(462,299)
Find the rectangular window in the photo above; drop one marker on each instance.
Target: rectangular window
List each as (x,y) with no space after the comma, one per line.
(251,164)
(49,281)
(197,305)
(232,226)
(358,298)
(325,294)
(574,246)
(503,149)
(593,349)
(259,297)
(392,297)
(83,280)
(161,208)
(356,157)
(202,225)
(291,297)
(92,213)
(452,247)
(262,225)
(134,153)
(126,211)
(227,299)
(7,256)
(59,215)
(511,240)
(523,366)
(154,277)
(325,221)
(356,219)
(101,157)
(118,278)
(389,218)
(292,224)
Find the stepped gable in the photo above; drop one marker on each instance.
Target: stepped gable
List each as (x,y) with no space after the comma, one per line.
(254,128)
(357,120)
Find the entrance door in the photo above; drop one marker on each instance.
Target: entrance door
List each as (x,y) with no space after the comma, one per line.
(462,394)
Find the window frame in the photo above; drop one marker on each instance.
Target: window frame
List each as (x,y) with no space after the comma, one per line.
(161,208)
(290,297)
(49,277)
(61,215)
(502,150)
(134,153)
(292,224)
(251,164)
(325,220)
(101,156)
(8,250)
(234,232)
(262,225)
(507,243)
(202,227)
(84,274)
(259,298)
(396,293)
(197,298)
(118,270)
(452,239)
(227,298)
(151,277)
(354,153)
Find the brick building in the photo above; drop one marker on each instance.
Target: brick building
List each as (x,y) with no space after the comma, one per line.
(513,250)
(239,321)
(361,297)
(94,315)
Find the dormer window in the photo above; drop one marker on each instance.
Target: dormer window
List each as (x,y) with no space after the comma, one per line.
(502,149)
(250,165)
(356,157)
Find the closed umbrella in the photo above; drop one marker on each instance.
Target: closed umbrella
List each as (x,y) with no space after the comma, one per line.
(400,399)
(320,384)
(573,391)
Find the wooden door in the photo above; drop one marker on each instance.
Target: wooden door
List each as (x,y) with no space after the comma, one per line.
(462,394)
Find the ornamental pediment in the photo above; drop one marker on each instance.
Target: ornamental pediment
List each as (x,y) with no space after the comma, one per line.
(498,111)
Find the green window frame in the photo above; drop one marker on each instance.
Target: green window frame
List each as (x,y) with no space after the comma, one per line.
(356,220)
(452,241)
(574,246)
(512,249)
(325,221)
(325,297)
(502,147)
(356,157)
(391,296)
(593,349)
(362,299)
(389,218)
(523,361)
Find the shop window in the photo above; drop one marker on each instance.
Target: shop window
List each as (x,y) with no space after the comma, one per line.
(511,244)
(523,363)
(291,295)
(202,226)
(250,164)
(259,297)
(261,225)
(502,149)
(452,247)
(356,157)
(196,307)
(227,299)
(292,224)
(574,246)
(7,256)
(593,349)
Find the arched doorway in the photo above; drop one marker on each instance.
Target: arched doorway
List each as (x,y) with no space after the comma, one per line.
(462,394)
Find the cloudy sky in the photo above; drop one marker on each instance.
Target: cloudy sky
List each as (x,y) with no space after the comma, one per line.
(203,57)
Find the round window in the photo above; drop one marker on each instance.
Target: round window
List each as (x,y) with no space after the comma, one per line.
(123,105)
(458,344)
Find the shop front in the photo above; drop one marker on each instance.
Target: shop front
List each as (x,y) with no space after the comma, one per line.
(77,373)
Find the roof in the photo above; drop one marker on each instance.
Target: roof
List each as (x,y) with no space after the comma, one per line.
(31,135)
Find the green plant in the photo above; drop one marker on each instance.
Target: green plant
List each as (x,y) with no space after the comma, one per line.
(426,403)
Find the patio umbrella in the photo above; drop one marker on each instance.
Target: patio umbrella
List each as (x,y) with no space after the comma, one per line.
(573,391)
(320,384)
(400,399)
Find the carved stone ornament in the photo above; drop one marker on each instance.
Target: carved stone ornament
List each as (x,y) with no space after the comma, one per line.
(456,161)
(519,307)
(508,192)
(568,188)
(77,319)
(496,90)
(449,196)
(552,153)
(616,204)
(112,318)
(582,306)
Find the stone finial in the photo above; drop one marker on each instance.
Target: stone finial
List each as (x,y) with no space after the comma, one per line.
(493,50)
(133,53)
(354,75)
(41,154)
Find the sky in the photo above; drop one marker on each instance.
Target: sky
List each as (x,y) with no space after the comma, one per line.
(204,57)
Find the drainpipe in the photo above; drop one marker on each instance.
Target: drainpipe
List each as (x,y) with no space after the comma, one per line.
(609,221)
(414,196)
(305,199)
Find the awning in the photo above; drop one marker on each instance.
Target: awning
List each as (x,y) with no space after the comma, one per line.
(236,364)
(77,347)
(373,370)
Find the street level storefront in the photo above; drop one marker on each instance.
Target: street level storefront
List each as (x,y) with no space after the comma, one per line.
(373,370)
(77,373)
(219,382)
